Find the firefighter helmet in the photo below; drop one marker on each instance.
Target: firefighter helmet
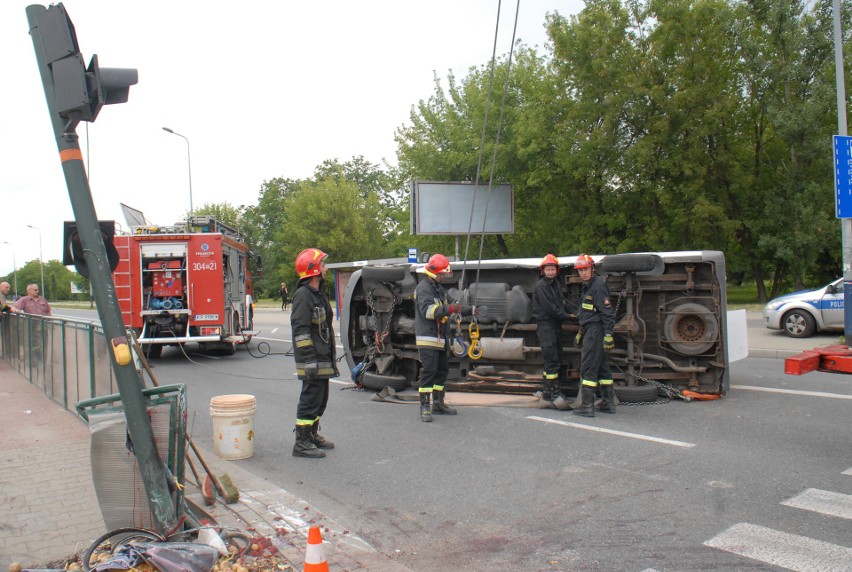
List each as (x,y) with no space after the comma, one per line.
(308,262)
(584,261)
(548,260)
(438,264)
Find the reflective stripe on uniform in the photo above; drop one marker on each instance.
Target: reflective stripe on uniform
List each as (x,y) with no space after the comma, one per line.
(429,342)
(551,375)
(590,383)
(425,390)
(605,382)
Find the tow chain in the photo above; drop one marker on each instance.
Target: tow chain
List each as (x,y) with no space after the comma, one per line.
(671,392)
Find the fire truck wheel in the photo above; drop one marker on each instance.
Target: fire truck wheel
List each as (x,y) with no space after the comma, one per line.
(384,273)
(644,393)
(373,380)
(153,351)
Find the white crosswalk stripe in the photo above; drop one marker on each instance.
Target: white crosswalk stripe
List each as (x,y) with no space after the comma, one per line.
(777,548)
(824,502)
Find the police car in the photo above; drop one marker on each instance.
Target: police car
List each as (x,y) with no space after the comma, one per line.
(801,314)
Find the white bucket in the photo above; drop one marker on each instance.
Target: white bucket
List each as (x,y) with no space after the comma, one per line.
(233,425)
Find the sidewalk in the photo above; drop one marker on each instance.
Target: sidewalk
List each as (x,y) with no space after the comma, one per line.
(50,510)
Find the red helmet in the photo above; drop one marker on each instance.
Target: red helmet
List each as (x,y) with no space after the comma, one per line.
(548,260)
(584,261)
(438,264)
(308,262)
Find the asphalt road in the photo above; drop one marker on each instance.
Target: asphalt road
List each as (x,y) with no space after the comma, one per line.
(675,486)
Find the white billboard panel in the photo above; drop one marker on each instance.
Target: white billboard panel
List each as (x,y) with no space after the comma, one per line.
(445,208)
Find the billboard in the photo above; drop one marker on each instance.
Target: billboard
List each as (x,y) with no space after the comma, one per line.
(446,207)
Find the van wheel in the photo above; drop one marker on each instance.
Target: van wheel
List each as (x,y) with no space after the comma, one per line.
(798,324)
(384,273)
(691,329)
(372,380)
(615,263)
(645,393)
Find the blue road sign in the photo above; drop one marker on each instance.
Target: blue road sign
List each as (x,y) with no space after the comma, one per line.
(843,175)
(412,255)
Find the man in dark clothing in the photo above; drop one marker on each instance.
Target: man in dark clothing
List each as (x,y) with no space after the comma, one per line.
(432,329)
(548,310)
(284,293)
(314,350)
(597,320)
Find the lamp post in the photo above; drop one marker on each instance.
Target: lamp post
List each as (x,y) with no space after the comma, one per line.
(40,259)
(15,265)
(188,164)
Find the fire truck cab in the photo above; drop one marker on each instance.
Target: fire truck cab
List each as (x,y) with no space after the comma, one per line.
(189,282)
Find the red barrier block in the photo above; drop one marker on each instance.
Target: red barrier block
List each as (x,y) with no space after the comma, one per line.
(801,363)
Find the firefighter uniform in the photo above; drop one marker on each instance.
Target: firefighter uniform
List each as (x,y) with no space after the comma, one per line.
(597,320)
(432,330)
(314,349)
(548,310)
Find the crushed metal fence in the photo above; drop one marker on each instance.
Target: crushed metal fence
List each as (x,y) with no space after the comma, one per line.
(67,359)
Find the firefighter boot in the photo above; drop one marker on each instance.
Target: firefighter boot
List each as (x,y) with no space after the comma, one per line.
(425,407)
(546,389)
(438,404)
(304,447)
(587,408)
(317,439)
(607,398)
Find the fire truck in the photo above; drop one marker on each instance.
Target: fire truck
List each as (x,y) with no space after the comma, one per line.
(189,282)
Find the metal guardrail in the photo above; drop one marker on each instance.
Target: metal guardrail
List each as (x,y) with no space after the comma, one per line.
(67,359)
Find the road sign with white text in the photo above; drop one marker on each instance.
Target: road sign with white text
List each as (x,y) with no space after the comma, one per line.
(843,175)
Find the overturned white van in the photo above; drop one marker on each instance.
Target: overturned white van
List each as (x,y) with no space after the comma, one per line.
(670,331)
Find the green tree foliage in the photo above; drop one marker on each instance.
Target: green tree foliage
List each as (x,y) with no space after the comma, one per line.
(57,280)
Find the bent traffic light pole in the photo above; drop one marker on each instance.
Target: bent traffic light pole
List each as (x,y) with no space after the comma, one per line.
(54,38)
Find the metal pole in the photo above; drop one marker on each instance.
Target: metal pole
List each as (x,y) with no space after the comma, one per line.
(129,381)
(189,165)
(40,259)
(845,223)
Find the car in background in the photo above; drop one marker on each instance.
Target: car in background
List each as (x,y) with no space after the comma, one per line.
(802,314)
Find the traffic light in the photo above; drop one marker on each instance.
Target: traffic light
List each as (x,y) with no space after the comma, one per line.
(79,92)
(72,251)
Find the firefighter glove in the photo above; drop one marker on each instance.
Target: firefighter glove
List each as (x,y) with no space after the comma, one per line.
(311,370)
(608,343)
(578,339)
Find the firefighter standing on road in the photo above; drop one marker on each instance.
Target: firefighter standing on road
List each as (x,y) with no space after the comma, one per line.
(597,320)
(548,310)
(432,327)
(311,321)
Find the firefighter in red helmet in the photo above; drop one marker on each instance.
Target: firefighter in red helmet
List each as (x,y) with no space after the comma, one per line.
(432,329)
(597,320)
(549,311)
(311,320)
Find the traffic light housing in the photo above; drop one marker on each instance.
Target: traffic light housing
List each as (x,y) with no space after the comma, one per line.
(72,251)
(79,92)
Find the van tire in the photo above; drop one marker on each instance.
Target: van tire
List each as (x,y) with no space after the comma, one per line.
(373,380)
(645,393)
(691,329)
(616,263)
(384,273)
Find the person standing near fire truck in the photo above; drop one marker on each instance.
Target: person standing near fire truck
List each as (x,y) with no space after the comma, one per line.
(432,329)
(597,320)
(548,310)
(311,321)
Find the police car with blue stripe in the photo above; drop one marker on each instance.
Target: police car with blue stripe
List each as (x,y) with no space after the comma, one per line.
(801,314)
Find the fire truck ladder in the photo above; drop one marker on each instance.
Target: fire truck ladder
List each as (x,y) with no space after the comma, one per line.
(121,277)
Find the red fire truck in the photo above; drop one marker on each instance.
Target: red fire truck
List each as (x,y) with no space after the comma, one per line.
(190,282)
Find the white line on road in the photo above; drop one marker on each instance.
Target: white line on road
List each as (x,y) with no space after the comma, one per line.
(793,392)
(781,549)
(823,502)
(847,471)
(612,432)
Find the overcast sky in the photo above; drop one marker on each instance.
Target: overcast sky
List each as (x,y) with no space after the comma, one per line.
(261,89)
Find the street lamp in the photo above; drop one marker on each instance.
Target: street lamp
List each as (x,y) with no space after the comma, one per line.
(189,165)
(15,264)
(40,259)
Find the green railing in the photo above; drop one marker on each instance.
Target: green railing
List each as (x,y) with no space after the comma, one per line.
(67,359)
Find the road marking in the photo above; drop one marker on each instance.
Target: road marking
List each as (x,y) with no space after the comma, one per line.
(781,549)
(823,502)
(793,392)
(847,471)
(273,330)
(612,432)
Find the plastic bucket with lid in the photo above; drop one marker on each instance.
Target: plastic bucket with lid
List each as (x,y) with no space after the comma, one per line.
(233,425)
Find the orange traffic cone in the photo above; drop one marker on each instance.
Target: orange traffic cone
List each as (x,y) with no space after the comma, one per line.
(315,555)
